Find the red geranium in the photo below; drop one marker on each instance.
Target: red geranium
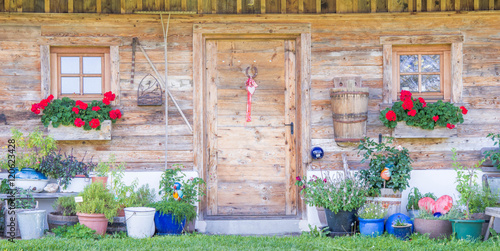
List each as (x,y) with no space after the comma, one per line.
(106,101)
(435,118)
(96,108)
(81,105)
(390,115)
(44,103)
(109,95)
(405,95)
(94,123)
(115,114)
(412,113)
(424,104)
(35,108)
(75,110)
(407,104)
(464,110)
(79,122)
(450,126)
(50,97)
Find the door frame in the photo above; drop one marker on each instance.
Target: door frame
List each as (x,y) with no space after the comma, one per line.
(302,35)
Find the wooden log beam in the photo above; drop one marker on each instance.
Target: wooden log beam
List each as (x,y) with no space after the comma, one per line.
(387,57)
(263,6)
(457,5)
(491,5)
(301,6)
(476,4)
(283,6)
(373,5)
(71,5)
(200,6)
(98,6)
(19,6)
(47,6)
(318,6)
(443,5)
(214,6)
(238,6)
(184,5)
(429,5)
(410,6)
(419,5)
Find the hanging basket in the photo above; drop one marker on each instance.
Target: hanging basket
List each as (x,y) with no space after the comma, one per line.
(350,110)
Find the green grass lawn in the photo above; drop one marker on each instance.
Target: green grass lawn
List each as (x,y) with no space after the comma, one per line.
(221,242)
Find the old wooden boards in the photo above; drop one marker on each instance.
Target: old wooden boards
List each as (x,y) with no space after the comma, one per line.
(251,165)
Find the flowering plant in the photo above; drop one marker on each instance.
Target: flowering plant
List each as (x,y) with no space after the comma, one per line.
(416,112)
(341,192)
(372,211)
(66,111)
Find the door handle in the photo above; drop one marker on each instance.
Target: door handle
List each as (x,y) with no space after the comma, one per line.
(291,127)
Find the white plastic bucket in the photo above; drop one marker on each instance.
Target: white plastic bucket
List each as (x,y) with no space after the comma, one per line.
(140,221)
(32,223)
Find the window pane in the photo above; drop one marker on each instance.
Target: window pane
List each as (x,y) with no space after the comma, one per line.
(431,83)
(431,63)
(92,85)
(409,83)
(70,85)
(70,65)
(91,65)
(408,63)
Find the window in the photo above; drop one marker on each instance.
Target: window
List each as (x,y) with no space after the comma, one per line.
(80,72)
(422,69)
(411,62)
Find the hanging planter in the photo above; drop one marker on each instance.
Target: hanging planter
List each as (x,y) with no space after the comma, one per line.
(350,110)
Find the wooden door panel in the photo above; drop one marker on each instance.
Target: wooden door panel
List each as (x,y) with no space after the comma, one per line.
(251,165)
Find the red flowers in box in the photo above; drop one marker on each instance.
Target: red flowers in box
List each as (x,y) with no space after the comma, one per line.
(88,115)
(418,113)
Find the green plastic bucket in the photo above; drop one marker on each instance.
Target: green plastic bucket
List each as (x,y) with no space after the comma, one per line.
(467,229)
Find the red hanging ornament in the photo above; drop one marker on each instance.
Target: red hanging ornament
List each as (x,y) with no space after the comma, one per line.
(250,86)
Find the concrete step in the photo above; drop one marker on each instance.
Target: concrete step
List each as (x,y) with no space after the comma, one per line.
(251,227)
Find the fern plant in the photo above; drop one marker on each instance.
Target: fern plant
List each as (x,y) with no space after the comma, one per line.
(98,200)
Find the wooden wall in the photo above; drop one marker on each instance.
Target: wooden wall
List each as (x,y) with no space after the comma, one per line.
(349,47)
(245,6)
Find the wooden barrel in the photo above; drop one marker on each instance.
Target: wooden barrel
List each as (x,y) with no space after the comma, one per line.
(350,111)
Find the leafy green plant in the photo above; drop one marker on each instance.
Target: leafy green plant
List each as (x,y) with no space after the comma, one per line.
(494,155)
(414,196)
(23,199)
(400,223)
(143,196)
(481,198)
(341,192)
(67,112)
(4,186)
(316,232)
(77,231)
(97,200)
(382,155)
(372,211)
(467,184)
(416,112)
(65,167)
(102,168)
(454,213)
(192,188)
(65,206)
(124,193)
(179,210)
(29,150)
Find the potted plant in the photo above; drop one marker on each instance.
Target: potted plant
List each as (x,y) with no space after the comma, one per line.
(413,197)
(64,214)
(97,208)
(73,174)
(466,227)
(388,173)
(101,172)
(402,229)
(435,225)
(29,151)
(371,219)
(177,206)
(23,200)
(140,219)
(341,195)
(492,154)
(124,194)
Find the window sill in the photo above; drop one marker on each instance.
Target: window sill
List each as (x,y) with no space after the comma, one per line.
(75,133)
(404,131)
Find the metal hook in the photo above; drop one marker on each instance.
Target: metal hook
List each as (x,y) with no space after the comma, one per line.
(254,69)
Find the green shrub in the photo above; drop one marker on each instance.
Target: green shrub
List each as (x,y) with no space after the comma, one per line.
(372,211)
(98,200)
(179,210)
(65,206)
(76,231)
(414,196)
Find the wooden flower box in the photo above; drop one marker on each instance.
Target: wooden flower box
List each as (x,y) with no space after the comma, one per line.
(404,131)
(75,133)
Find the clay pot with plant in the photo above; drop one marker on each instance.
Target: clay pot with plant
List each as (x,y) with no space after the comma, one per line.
(64,214)
(97,208)
(101,171)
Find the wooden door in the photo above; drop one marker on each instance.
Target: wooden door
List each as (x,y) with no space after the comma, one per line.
(251,165)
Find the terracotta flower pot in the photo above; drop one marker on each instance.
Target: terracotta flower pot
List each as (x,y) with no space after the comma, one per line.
(97,222)
(103,180)
(435,228)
